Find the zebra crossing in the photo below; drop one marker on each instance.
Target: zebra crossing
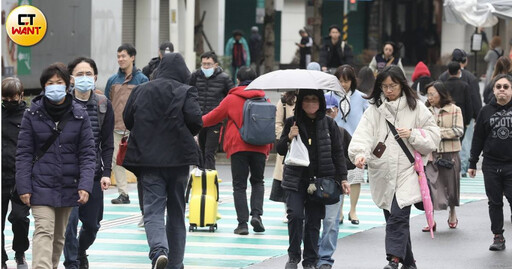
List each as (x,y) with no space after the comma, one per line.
(121,244)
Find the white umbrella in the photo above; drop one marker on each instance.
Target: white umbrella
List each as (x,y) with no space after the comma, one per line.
(291,79)
(479,13)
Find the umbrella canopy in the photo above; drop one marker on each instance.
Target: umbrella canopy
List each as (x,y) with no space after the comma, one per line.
(291,79)
(479,13)
(425,191)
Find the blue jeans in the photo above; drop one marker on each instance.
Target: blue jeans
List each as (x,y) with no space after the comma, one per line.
(466,147)
(90,215)
(165,187)
(329,238)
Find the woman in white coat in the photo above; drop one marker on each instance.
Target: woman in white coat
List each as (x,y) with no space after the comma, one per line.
(394,182)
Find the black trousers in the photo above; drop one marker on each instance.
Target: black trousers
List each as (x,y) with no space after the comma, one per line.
(398,237)
(304,218)
(498,182)
(209,142)
(241,164)
(20,223)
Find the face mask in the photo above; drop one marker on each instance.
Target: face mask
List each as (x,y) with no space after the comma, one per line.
(55,92)
(208,72)
(84,83)
(10,105)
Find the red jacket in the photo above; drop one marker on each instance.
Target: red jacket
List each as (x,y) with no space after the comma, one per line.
(420,70)
(232,107)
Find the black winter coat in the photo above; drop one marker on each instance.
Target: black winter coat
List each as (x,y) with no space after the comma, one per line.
(472,81)
(151,67)
(163,116)
(11,123)
(345,57)
(331,161)
(461,95)
(211,90)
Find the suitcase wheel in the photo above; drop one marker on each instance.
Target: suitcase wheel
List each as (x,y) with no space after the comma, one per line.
(212,229)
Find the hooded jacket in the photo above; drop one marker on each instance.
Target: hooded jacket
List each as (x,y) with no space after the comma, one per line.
(211,90)
(421,70)
(325,152)
(392,174)
(232,108)
(11,123)
(67,166)
(493,134)
(163,117)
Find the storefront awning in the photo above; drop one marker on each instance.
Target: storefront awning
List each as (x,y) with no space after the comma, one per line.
(479,13)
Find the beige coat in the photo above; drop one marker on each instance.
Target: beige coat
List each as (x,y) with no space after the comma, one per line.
(451,125)
(393,174)
(280,119)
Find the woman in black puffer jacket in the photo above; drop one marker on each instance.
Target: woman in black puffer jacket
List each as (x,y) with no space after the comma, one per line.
(320,134)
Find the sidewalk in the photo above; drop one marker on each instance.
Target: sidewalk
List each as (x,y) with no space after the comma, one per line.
(463,248)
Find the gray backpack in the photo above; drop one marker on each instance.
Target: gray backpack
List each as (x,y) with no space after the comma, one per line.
(259,122)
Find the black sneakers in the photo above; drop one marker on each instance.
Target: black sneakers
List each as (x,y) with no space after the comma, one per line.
(292,263)
(122,199)
(498,244)
(84,262)
(21,262)
(161,262)
(257,225)
(242,229)
(391,265)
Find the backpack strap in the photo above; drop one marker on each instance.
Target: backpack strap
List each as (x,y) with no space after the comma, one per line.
(101,106)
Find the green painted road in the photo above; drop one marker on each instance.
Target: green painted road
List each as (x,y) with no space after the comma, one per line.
(120,244)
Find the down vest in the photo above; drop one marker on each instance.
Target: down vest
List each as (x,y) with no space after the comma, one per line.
(331,159)
(393,174)
(211,90)
(67,166)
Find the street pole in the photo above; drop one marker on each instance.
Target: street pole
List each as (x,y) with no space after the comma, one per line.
(345,20)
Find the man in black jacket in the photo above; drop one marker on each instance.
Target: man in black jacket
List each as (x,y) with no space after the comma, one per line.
(212,85)
(163,117)
(460,92)
(335,52)
(148,70)
(13,108)
(493,135)
(460,56)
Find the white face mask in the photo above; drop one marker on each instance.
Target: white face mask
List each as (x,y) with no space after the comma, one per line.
(208,72)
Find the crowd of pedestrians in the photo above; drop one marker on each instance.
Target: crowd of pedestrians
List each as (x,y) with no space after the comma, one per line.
(59,153)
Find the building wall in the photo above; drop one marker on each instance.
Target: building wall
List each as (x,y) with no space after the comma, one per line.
(106,22)
(147,31)
(293,19)
(213,24)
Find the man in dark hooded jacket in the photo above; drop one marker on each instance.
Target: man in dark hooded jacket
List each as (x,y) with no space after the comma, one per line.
(163,116)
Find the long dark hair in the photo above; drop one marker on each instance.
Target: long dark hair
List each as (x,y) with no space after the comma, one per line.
(365,80)
(347,72)
(397,76)
(503,66)
(444,95)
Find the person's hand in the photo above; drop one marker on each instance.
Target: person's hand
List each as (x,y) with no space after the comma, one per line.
(294,131)
(84,197)
(345,187)
(105,183)
(324,68)
(360,161)
(404,132)
(25,198)
(472,172)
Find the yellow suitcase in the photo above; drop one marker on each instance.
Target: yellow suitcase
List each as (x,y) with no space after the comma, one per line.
(203,190)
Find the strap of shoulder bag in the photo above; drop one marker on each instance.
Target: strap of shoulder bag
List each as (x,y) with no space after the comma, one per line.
(56,132)
(400,142)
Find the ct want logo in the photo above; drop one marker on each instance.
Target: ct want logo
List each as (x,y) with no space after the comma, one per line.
(26,25)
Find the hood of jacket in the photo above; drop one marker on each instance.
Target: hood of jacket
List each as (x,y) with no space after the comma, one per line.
(299,112)
(495,104)
(421,70)
(172,66)
(240,91)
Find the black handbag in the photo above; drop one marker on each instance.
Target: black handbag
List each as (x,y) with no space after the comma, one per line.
(448,164)
(327,191)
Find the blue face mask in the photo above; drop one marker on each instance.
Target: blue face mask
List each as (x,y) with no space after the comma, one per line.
(84,83)
(55,92)
(208,72)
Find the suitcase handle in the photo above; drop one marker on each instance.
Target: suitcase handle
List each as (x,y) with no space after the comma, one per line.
(189,186)
(217,186)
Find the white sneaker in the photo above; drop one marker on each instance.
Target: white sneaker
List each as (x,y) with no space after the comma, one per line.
(141,222)
(161,262)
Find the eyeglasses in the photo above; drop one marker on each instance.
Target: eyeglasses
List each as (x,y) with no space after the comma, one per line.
(391,87)
(207,65)
(80,74)
(505,86)
(432,94)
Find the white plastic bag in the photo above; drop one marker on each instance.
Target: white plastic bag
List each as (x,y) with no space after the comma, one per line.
(297,154)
